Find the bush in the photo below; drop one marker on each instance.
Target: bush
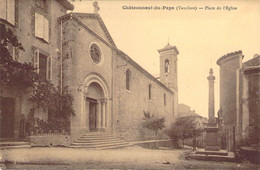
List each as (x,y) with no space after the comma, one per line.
(183,128)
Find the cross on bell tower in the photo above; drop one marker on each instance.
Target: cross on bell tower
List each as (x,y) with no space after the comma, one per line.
(96,7)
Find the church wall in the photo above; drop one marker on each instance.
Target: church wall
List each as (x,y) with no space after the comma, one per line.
(78,64)
(128,106)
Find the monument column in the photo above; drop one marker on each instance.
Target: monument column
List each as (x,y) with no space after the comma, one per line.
(211,129)
(211,103)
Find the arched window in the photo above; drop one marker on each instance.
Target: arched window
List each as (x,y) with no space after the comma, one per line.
(164,99)
(128,79)
(166,66)
(150,91)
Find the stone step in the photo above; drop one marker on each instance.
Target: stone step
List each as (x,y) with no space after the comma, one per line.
(102,146)
(97,134)
(15,147)
(13,143)
(96,138)
(230,157)
(221,152)
(99,140)
(99,143)
(94,141)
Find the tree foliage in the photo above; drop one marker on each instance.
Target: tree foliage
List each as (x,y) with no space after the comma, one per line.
(12,73)
(153,123)
(183,128)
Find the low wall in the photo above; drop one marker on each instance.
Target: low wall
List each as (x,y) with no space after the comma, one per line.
(151,144)
(50,140)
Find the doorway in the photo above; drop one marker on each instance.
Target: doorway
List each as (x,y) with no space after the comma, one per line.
(92,114)
(7,117)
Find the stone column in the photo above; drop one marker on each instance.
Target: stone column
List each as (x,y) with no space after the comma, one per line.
(104,114)
(211,103)
(87,114)
(98,112)
(211,142)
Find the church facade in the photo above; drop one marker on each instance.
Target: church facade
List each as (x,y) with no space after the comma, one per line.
(75,50)
(111,90)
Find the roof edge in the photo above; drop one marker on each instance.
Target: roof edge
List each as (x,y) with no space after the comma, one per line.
(126,57)
(221,59)
(166,49)
(76,16)
(66,4)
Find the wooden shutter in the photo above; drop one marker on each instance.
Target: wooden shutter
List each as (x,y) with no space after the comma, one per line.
(11,11)
(38,25)
(45,29)
(3,9)
(36,60)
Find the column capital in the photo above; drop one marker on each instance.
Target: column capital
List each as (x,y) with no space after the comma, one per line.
(103,100)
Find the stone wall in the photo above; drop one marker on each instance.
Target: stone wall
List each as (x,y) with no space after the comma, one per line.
(128,105)
(78,65)
(50,140)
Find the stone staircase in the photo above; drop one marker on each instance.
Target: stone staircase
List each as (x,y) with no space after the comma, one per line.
(12,144)
(99,140)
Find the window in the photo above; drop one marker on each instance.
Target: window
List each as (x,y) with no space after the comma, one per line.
(95,53)
(150,92)
(164,99)
(166,66)
(7,8)
(41,27)
(43,64)
(128,79)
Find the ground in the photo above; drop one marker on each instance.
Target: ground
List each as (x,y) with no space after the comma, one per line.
(131,157)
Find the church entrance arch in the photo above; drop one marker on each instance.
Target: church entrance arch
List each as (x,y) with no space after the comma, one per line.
(96,112)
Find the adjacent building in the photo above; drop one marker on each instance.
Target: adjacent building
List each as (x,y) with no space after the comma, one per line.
(239,96)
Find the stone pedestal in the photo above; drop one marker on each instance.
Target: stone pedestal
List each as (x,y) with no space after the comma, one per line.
(211,142)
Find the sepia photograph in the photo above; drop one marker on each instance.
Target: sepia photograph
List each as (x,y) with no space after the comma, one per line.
(122,84)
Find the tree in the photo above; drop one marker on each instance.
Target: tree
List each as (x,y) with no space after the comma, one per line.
(153,123)
(12,73)
(183,128)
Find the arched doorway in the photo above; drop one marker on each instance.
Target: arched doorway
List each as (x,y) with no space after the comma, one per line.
(94,97)
(96,114)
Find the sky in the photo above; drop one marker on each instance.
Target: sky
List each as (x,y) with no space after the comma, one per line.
(201,36)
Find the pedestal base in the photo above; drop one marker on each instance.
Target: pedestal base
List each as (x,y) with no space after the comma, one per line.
(211,143)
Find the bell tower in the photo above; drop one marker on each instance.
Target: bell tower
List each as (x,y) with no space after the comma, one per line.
(168,66)
(168,71)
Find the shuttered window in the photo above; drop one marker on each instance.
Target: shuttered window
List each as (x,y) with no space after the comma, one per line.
(43,65)
(7,10)
(41,27)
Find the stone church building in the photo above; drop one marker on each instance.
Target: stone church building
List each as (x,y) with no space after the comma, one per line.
(110,90)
